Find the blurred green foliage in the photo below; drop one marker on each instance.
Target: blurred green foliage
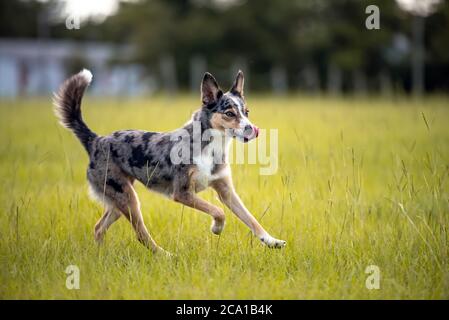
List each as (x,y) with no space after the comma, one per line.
(292,34)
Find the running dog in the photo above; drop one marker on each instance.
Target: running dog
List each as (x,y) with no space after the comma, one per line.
(117,160)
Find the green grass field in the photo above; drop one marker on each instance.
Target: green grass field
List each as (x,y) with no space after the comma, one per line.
(360,182)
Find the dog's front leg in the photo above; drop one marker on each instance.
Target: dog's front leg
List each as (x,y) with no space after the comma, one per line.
(229,197)
(190,199)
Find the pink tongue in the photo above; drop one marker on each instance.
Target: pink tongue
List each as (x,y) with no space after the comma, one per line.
(257,131)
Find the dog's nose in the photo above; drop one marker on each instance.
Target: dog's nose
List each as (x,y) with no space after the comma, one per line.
(248,129)
(251,130)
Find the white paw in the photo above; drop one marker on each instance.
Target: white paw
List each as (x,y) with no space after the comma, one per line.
(163,252)
(217,226)
(271,242)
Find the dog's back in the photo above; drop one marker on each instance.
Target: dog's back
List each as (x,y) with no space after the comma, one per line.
(141,155)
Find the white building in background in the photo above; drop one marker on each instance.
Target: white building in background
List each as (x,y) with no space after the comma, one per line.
(37,67)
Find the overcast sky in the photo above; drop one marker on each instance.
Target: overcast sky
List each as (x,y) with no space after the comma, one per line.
(85,8)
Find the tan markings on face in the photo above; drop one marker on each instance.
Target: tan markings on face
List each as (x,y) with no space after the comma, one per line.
(233,122)
(221,121)
(217,122)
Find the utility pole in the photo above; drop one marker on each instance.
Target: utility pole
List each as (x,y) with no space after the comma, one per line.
(418,56)
(420,9)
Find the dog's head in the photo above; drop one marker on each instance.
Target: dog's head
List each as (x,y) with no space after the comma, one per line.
(228,111)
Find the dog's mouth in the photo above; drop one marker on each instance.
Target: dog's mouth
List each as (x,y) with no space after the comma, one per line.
(247,135)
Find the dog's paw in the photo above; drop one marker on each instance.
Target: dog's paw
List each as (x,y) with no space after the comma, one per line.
(99,236)
(273,243)
(163,253)
(217,226)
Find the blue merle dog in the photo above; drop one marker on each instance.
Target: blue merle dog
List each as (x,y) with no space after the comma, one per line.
(117,160)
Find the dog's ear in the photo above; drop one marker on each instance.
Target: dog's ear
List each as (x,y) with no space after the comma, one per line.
(210,92)
(237,87)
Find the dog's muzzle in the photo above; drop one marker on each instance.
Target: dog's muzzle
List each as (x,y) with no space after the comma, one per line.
(250,132)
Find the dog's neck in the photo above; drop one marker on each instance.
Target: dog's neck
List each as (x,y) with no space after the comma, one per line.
(203,117)
(200,120)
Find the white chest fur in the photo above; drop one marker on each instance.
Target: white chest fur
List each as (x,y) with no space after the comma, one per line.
(212,155)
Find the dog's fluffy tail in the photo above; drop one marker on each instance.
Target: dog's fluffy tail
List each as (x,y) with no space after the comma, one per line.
(67,103)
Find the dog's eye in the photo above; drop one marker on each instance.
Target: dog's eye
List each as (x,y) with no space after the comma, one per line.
(246,113)
(230,114)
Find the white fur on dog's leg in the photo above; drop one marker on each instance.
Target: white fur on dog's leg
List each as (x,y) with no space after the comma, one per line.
(168,254)
(217,226)
(271,242)
(163,252)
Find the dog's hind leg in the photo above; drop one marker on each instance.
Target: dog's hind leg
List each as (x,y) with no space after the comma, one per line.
(130,207)
(115,190)
(109,217)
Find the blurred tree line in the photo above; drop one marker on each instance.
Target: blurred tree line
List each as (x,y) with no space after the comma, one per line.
(313,45)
